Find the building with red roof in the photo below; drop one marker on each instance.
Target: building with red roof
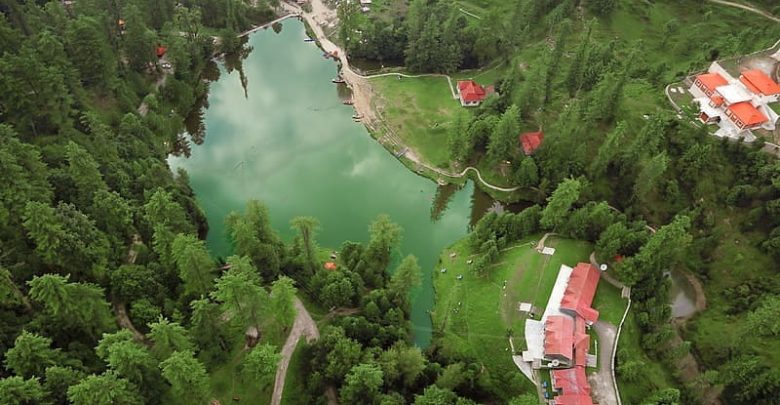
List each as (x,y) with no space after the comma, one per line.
(580,291)
(708,82)
(745,115)
(471,94)
(530,141)
(759,82)
(559,339)
(161,51)
(572,386)
(737,106)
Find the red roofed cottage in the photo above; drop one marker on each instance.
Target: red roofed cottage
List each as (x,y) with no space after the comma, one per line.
(530,141)
(471,94)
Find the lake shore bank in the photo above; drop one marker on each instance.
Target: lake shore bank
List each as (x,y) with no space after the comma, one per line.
(364,102)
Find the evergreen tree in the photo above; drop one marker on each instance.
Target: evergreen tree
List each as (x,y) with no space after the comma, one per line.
(187,377)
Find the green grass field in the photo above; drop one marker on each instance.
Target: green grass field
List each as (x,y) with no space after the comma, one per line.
(418,110)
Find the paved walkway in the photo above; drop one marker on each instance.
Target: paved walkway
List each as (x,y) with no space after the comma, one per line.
(304,325)
(601,381)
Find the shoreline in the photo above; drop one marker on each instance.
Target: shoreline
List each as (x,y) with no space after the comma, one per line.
(362,94)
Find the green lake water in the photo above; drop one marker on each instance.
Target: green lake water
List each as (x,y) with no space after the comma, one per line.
(292,144)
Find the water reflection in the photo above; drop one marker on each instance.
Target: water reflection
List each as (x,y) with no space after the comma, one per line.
(289,141)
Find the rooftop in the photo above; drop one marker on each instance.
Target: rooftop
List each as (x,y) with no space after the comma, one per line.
(759,82)
(580,291)
(558,336)
(747,114)
(733,93)
(530,141)
(470,91)
(712,80)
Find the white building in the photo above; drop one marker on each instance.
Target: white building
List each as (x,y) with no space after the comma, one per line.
(736,105)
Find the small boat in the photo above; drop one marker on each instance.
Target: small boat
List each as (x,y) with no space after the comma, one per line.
(357,117)
(338,80)
(309,40)
(348,102)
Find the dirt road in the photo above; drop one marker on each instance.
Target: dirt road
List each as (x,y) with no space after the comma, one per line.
(304,325)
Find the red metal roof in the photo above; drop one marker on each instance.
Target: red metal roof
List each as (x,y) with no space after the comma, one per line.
(711,80)
(573,400)
(717,100)
(531,141)
(558,336)
(581,343)
(470,91)
(759,82)
(571,382)
(580,291)
(161,50)
(747,114)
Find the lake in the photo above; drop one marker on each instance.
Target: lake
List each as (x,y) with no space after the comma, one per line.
(290,143)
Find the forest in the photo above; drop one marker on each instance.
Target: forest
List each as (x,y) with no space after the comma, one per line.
(108,294)
(617,167)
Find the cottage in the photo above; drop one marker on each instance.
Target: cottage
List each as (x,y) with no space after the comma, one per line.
(470,93)
(530,141)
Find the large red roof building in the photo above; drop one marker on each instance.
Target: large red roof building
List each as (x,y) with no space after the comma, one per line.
(566,340)
(737,106)
(579,293)
(470,93)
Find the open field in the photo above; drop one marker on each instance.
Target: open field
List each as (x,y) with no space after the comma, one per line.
(418,110)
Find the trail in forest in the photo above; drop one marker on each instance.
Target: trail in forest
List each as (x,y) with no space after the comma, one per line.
(304,325)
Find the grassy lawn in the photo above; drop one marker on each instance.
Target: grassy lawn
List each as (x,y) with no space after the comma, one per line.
(418,110)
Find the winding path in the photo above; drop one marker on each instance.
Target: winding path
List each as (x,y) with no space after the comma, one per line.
(304,325)
(746,7)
